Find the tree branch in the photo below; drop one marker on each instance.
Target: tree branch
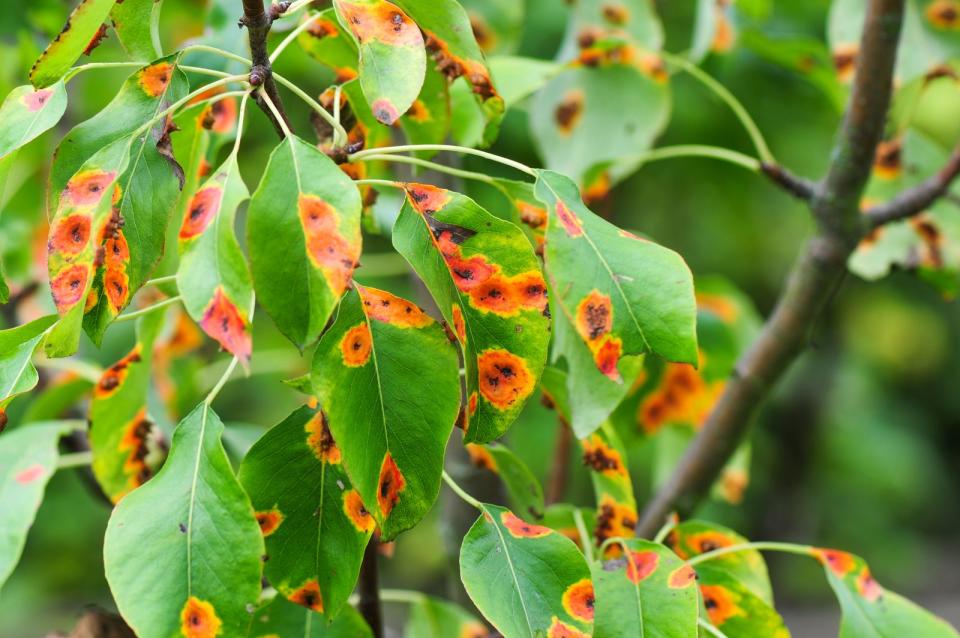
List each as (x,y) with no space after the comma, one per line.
(799,187)
(258,23)
(814,278)
(369,605)
(917,199)
(560,470)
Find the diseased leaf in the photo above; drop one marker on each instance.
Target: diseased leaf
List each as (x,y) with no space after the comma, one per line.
(527,580)
(392,433)
(328,43)
(137,23)
(646,592)
(213,277)
(81,29)
(315,525)
(486,280)
(523,488)
(435,618)
(595,20)
(714,29)
(736,610)
(127,446)
(392,56)
(869,609)
(26,113)
(428,120)
(566,519)
(28,458)
(519,77)
(497,25)
(17,373)
(303,229)
(620,294)
(282,618)
(171,544)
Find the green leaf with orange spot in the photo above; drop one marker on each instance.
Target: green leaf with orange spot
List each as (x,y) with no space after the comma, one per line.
(81,27)
(526,579)
(282,618)
(326,41)
(428,120)
(523,488)
(638,298)
(869,609)
(714,29)
(497,25)
(17,372)
(638,594)
(435,618)
(314,523)
(171,544)
(28,458)
(303,229)
(450,40)
(735,610)
(593,20)
(392,55)
(27,112)
(213,277)
(487,282)
(127,447)
(137,25)
(392,433)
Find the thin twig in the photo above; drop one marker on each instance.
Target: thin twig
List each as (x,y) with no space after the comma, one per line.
(258,25)
(917,199)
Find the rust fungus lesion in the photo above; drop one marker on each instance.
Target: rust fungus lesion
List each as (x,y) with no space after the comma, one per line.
(569,111)
(357,512)
(868,587)
(594,323)
(328,250)
(683,396)
(355,346)
(88,187)
(930,251)
(578,600)
(198,619)
(681,577)
(519,528)
(136,443)
(383,306)
(944,14)
(308,595)
(115,375)
(615,13)
(641,565)
(453,67)
(427,199)
(227,323)
(94,42)
(724,33)
(504,378)
(69,235)
(839,562)
(568,219)
(481,457)
(601,457)
(390,485)
(321,28)
(845,60)
(560,629)
(269,521)
(720,604)
(36,100)
(382,21)
(155,78)
(320,439)
(888,162)
(614,520)
(482,32)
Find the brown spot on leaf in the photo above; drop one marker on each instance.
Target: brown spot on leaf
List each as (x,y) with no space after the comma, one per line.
(320,439)
(427,199)
(615,13)
(944,14)
(602,458)
(95,41)
(614,520)
(496,294)
(480,456)
(390,485)
(69,235)
(200,211)
(356,345)
(308,595)
(382,21)
(198,619)
(519,528)
(115,375)
(569,111)
(322,28)
(380,305)
(269,521)
(504,378)
(845,61)
(385,112)
(69,286)
(888,163)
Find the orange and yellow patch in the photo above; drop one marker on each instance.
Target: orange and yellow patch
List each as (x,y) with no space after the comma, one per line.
(155,78)
(328,250)
(201,211)
(519,528)
(356,346)
(504,378)
(840,563)
(269,521)
(720,603)
(390,485)
(640,565)
(383,306)
(115,375)
(226,323)
(320,440)
(578,600)
(594,322)
(357,512)
(198,619)
(602,458)
(308,595)
(88,187)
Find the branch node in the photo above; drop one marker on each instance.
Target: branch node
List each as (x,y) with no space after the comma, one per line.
(259,74)
(797,186)
(278,9)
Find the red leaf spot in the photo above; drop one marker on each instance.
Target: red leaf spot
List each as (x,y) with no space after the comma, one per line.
(36,100)
(709,541)
(116,285)
(606,355)
(200,212)
(641,564)
(355,346)
(840,563)
(427,199)
(69,235)
(269,521)
(155,78)
(519,528)
(31,474)
(569,220)
(357,512)
(497,295)
(115,375)
(199,619)
(390,485)
(569,111)
(720,603)
(88,187)
(560,629)
(308,595)
(681,577)
(531,289)
(578,600)
(383,306)
(459,327)
(327,249)
(385,112)
(504,378)
(69,286)
(868,587)
(226,323)
(320,439)
(322,28)
(594,316)
(480,456)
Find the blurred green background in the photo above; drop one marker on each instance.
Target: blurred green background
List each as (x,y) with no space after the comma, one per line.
(858,449)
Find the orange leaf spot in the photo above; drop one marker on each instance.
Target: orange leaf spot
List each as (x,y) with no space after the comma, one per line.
(888,163)
(531,289)
(519,528)
(720,603)
(459,327)
(383,306)
(308,595)
(614,520)
(69,286)
(602,458)
(35,101)
(226,323)
(497,295)
(115,375)
(480,456)
(453,67)
(944,14)
(116,251)
(569,111)
(641,564)
(504,378)
(87,188)
(320,440)
(200,212)
(69,235)
(724,35)
(845,61)
(327,249)
(606,356)
(532,215)
(357,512)
(116,285)
(560,629)
(681,577)
(427,199)
(135,443)
(868,587)
(269,521)
(381,21)
(708,541)
(594,316)
(356,346)
(322,28)
(199,619)
(840,563)
(30,474)
(578,600)
(722,307)
(473,630)
(155,78)
(419,112)
(390,485)
(223,114)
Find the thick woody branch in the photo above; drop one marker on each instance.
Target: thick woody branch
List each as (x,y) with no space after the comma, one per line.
(258,23)
(917,199)
(369,589)
(814,277)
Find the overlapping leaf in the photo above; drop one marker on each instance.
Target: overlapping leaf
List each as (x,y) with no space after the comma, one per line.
(568,519)
(391,432)
(303,233)
(126,445)
(497,25)
(715,28)
(28,458)
(81,31)
(646,592)
(485,278)
(328,43)
(315,525)
(523,488)
(613,294)
(435,618)
(172,544)
(392,55)
(17,373)
(527,580)
(137,23)
(26,113)
(428,120)
(634,20)
(282,618)
(213,277)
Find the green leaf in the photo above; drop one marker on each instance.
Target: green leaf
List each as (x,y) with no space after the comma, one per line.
(137,23)
(486,280)
(126,445)
(392,55)
(172,544)
(646,592)
(282,618)
(17,374)
(392,433)
(303,234)
(81,28)
(26,113)
(450,39)
(213,277)
(633,20)
(326,42)
(314,523)
(497,25)
(428,120)
(527,580)
(713,29)
(736,610)
(28,458)
(519,77)
(4,288)
(869,609)
(81,220)
(565,519)
(523,488)
(435,618)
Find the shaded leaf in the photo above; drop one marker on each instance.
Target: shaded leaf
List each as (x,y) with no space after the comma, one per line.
(714,29)
(17,373)
(486,280)
(565,519)
(527,580)
(314,523)
(519,77)
(497,25)
(594,20)
(428,120)
(137,23)
(81,27)
(392,434)
(303,229)
(26,113)
(523,488)
(172,544)
(328,43)
(435,618)
(283,618)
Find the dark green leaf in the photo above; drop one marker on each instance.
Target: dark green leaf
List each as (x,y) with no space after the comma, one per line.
(81,28)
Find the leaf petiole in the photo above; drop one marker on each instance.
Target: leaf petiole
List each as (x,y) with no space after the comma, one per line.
(75,459)
(145,311)
(790,548)
(459,491)
(409,148)
(440,168)
(698,150)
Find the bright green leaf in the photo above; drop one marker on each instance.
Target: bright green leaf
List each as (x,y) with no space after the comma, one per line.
(17,374)
(26,113)
(137,23)
(81,27)
(435,618)
(523,488)
(282,618)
